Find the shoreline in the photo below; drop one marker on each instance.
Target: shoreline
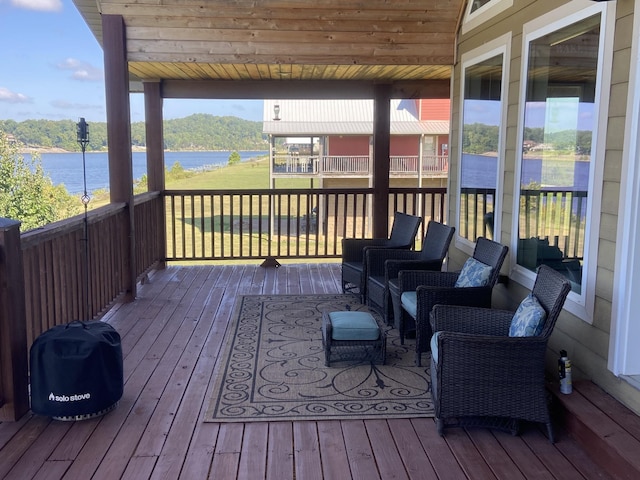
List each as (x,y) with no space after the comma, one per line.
(32,150)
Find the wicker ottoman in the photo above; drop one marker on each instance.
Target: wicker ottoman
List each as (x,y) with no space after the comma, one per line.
(352,336)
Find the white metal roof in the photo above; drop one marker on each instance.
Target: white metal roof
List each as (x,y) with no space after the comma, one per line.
(343,117)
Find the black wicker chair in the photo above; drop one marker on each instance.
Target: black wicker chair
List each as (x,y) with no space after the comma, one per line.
(438,287)
(403,233)
(383,265)
(480,376)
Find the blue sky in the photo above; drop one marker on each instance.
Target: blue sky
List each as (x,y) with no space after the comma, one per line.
(51,67)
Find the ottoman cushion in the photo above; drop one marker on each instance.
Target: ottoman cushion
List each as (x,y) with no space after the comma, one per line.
(353,326)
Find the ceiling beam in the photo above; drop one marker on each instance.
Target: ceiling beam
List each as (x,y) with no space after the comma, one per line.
(325,89)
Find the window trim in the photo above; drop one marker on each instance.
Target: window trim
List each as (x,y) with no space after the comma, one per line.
(581,305)
(498,46)
(484,13)
(624,358)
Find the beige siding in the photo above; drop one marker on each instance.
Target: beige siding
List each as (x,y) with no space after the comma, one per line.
(587,344)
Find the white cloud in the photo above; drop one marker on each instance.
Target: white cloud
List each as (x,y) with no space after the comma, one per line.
(41,5)
(81,70)
(8,96)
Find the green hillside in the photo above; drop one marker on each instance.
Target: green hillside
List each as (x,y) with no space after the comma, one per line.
(195,132)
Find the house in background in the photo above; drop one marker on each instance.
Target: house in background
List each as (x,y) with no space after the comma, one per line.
(331,141)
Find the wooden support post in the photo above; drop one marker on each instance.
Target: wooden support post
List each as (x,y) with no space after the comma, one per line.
(155,154)
(14,378)
(381,144)
(116,76)
(154,135)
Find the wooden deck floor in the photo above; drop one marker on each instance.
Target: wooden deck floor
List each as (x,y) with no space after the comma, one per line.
(171,336)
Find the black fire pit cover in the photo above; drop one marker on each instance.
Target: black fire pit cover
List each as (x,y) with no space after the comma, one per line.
(76,371)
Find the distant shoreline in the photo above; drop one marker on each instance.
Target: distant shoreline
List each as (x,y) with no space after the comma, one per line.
(32,150)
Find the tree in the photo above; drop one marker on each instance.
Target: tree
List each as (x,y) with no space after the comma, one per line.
(27,194)
(234,158)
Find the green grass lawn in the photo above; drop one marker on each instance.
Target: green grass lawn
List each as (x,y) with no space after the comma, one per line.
(249,175)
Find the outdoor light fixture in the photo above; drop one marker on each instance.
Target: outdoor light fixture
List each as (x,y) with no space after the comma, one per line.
(82,130)
(83,139)
(83,133)
(276,112)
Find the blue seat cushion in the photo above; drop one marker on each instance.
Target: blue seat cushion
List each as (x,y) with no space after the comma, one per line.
(434,346)
(353,326)
(409,301)
(528,321)
(474,273)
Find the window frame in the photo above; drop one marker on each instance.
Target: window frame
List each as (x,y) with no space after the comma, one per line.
(582,304)
(624,356)
(498,46)
(484,13)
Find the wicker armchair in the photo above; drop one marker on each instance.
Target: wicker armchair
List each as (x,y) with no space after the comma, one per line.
(403,233)
(438,288)
(383,265)
(480,376)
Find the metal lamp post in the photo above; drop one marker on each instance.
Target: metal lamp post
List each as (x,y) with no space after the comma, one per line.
(83,139)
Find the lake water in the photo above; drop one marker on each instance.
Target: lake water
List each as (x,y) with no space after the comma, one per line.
(480,172)
(66,168)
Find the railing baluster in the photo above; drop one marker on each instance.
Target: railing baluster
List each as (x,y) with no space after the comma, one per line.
(338,213)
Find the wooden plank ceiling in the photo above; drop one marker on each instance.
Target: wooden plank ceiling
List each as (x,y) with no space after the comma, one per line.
(367,40)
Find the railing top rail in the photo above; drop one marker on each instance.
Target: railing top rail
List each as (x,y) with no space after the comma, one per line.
(49,231)
(305,191)
(145,196)
(536,191)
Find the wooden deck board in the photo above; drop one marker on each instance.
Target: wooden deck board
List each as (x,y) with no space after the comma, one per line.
(227,452)
(387,458)
(494,455)
(438,451)
(280,451)
(306,451)
(335,462)
(172,336)
(253,458)
(361,459)
(415,460)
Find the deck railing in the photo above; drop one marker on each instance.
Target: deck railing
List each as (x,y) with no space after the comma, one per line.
(476,213)
(435,165)
(345,164)
(557,217)
(75,269)
(59,287)
(300,223)
(358,165)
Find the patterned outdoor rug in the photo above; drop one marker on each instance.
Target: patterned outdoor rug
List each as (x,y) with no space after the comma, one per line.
(272,368)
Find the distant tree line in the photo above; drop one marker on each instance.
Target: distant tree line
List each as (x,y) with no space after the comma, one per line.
(478,138)
(195,132)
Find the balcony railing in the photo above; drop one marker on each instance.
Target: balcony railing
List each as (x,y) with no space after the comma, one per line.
(476,212)
(74,269)
(358,165)
(69,270)
(556,217)
(301,223)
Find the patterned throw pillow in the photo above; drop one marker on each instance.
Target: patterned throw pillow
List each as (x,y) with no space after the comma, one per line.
(474,274)
(528,321)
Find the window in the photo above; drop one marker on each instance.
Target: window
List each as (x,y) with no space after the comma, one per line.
(560,128)
(482,111)
(479,11)
(476,5)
